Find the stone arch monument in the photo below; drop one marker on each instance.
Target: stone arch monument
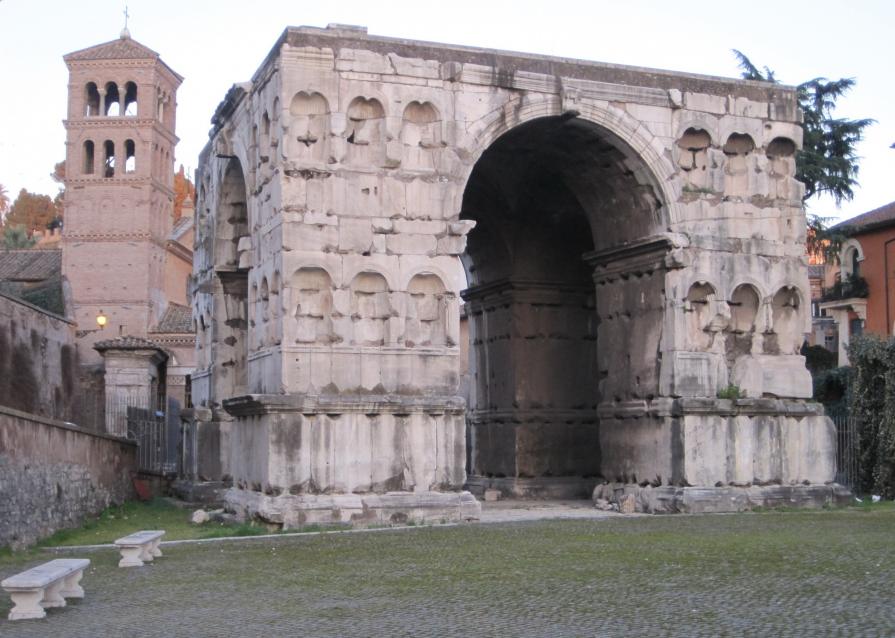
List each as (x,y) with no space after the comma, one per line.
(628,245)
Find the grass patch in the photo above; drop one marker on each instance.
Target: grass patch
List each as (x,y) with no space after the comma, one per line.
(133,516)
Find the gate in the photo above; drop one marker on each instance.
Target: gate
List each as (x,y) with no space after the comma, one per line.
(848,450)
(148,429)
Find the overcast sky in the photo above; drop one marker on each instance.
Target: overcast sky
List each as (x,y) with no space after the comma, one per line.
(215,44)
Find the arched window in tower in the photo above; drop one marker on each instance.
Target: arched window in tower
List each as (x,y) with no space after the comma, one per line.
(108,158)
(113,107)
(89,156)
(130,156)
(130,99)
(91,100)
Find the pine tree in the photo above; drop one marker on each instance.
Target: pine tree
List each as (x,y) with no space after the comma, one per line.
(827,162)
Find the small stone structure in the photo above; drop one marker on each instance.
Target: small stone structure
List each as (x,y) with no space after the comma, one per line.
(629,244)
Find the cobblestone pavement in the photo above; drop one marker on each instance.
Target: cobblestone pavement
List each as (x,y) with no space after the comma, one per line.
(765,574)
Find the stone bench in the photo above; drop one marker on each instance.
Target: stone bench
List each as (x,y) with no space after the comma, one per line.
(44,586)
(139,547)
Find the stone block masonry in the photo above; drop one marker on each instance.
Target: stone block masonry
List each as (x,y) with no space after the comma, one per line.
(623,241)
(54,475)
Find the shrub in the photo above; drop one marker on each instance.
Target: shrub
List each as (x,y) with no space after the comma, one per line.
(818,359)
(730,392)
(872,401)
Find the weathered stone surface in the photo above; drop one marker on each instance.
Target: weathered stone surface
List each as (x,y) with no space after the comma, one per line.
(590,324)
(703,500)
(38,361)
(53,476)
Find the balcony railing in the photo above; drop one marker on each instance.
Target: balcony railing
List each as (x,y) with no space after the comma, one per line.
(848,288)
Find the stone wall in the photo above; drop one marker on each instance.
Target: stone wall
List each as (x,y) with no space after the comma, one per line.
(38,360)
(53,476)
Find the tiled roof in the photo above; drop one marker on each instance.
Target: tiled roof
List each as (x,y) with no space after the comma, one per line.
(30,265)
(119,49)
(176,320)
(126,343)
(877,218)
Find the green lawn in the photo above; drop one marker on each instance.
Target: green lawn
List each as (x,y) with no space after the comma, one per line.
(134,516)
(791,573)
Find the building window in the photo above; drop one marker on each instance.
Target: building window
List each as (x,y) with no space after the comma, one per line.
(130,157)
(113,108)
(856,327)
(87,168)
(109,158)
(130,99)
(830,342)
(91,100)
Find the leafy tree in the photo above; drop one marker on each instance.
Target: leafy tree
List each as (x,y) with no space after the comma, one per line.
(16,237)
(33,211)
(827,162)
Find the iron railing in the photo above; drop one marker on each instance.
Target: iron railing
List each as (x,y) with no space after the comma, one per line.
(846,289)
(848,450)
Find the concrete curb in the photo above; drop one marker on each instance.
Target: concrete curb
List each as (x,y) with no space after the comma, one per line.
(196,541)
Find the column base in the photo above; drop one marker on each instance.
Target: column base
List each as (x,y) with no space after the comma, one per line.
(543,487)
(391,508)
(702,500)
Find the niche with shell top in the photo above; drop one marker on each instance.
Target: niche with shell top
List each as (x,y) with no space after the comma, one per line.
(420,134)
(699,304)
(786,317)
(427,309)
(693,157)
(370,309)
(309,126)
(738,148)
(365,132)
(312,303)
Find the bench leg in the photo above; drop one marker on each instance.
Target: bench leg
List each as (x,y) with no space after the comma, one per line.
(146,552)
(130,557)
(72,588)
(27,604)
(52,596)
(155,549)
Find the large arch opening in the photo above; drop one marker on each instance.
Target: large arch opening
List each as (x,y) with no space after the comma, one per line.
(232,260)
(564,307)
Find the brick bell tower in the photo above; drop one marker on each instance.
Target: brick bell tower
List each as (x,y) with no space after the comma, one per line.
(119,178)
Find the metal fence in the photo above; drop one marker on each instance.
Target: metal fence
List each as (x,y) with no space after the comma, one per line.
(147,428)
(155,430)
(848,450)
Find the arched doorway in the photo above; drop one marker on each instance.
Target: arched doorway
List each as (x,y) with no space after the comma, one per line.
(232,260)
(563,322)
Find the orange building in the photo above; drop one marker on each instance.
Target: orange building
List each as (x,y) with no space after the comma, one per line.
(863,298)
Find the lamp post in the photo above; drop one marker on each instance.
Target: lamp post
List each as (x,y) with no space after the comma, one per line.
(101,321)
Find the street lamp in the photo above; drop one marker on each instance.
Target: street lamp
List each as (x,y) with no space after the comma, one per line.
(101,320)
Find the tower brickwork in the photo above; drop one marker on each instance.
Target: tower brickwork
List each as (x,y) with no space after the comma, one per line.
(119,194)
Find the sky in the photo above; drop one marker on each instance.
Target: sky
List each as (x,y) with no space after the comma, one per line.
(216,44)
